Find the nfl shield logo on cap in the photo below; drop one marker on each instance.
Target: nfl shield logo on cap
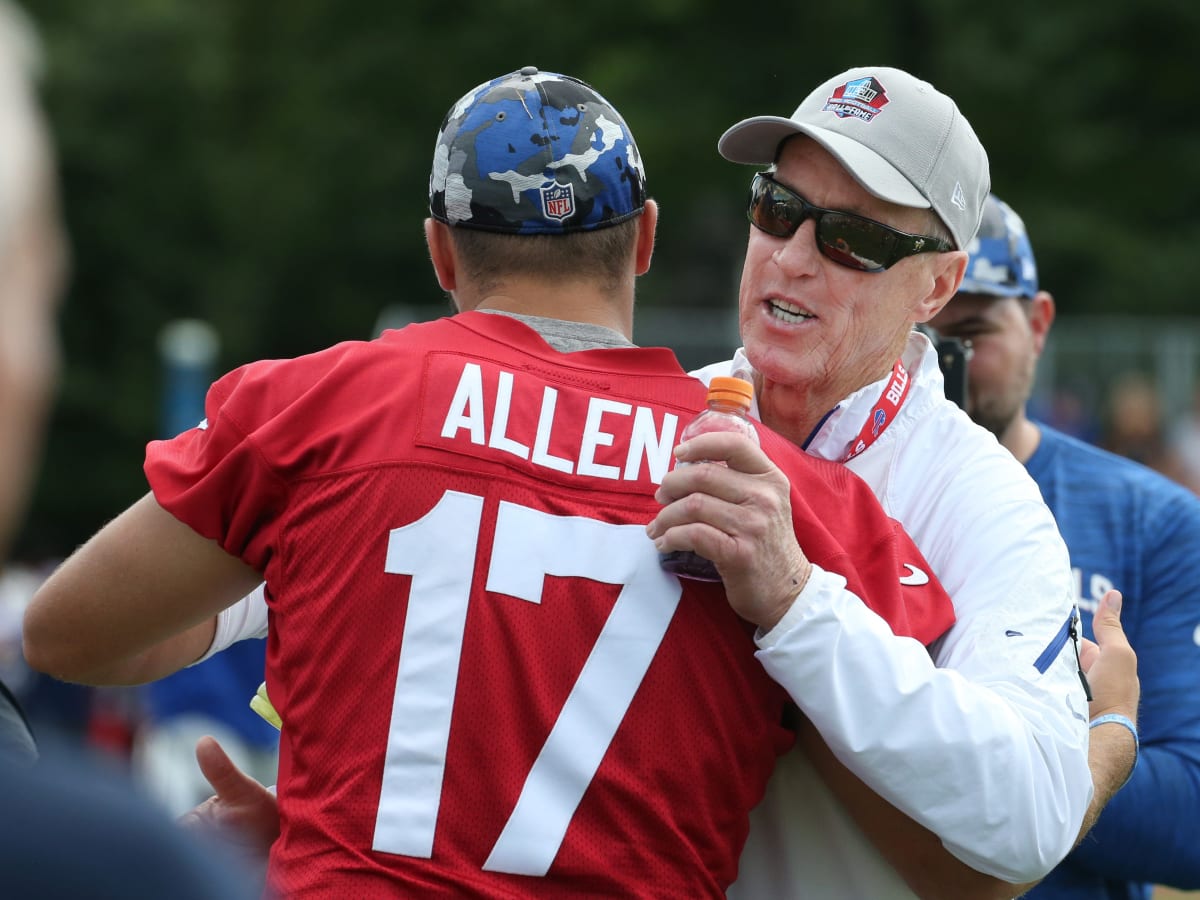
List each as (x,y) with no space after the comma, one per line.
(558,201)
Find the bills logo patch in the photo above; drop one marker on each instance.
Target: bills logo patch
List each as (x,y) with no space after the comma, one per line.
(558,201)
(880,419)
(860,98)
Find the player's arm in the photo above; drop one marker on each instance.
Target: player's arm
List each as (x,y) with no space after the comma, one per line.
(168,656)
(245,620)
(142,580)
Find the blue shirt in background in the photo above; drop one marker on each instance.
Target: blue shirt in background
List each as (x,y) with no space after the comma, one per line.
(1130,528)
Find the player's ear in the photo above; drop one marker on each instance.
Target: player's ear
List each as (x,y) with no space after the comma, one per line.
(441,254)
(647,224)
(1041,316)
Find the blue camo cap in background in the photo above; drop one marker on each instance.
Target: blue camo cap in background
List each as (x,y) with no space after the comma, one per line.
(1001,260)
(535,153)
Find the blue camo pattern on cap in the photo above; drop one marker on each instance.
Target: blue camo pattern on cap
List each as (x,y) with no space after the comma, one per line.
(1001,262)
(535,153)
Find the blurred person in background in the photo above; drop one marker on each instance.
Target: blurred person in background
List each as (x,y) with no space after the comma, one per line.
(69,826)
(1132,425)
(1126,527)
(34,257)
(1183,441)
(32,270)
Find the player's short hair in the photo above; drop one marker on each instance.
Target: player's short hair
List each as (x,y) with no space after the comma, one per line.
(604,255)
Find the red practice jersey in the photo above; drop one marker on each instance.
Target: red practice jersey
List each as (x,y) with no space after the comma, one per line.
(488,685)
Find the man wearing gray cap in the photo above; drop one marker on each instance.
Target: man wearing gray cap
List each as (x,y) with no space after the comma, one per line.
(868,197)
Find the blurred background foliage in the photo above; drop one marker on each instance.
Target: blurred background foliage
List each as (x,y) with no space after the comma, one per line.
(263,164)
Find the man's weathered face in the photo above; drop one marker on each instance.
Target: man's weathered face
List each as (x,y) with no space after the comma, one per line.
(806,319)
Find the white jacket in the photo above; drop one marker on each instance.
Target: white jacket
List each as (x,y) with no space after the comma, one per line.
(978,744)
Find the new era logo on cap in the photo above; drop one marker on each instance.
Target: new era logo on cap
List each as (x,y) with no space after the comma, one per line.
(959,196)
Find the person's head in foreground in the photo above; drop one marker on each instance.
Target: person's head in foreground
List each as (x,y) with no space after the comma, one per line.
(32,264)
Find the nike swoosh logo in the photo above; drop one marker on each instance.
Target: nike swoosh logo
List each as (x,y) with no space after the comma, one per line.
(915,576)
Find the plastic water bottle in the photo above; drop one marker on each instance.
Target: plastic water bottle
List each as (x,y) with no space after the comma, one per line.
(727,410)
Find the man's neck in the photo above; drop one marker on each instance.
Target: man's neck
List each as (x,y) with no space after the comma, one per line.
(795,410)
(581,302)
(790,410)
(1021,438)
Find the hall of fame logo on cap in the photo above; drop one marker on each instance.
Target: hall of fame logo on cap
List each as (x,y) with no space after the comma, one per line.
(860,98)
(558,201)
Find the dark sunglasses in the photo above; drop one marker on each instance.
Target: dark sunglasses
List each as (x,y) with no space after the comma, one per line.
(849,240)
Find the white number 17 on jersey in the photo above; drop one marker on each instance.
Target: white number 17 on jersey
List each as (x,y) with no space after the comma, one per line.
(529,545)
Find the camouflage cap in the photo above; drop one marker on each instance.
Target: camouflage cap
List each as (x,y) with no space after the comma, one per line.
(535,153)
(1001,262)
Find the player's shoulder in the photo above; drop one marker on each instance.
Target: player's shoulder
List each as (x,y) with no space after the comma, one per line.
(347,365)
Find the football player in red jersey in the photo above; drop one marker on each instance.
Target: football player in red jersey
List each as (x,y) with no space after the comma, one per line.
(488,685)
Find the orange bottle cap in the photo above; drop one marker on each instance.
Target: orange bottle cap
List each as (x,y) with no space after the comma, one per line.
(731,390)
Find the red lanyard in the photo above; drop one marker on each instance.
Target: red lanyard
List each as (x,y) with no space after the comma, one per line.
(886,408)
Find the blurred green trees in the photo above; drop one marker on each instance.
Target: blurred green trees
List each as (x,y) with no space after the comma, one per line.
(263,164)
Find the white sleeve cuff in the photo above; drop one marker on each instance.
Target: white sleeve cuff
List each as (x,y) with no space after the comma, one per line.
(244,620)
(819,590)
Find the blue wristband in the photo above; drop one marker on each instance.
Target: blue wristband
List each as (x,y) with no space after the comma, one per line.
(1118,719)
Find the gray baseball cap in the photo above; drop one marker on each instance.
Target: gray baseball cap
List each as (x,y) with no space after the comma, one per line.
(901,138)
